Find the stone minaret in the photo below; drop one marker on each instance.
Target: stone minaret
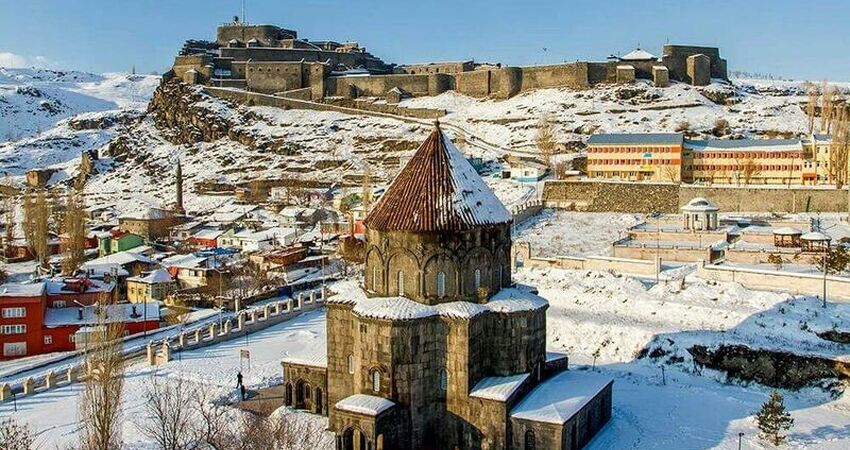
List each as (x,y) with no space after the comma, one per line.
(178,204)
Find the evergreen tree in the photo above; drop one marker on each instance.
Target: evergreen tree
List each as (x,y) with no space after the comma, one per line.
(773,419)
(74,227)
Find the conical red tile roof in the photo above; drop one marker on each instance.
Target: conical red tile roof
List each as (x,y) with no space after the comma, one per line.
(438,190)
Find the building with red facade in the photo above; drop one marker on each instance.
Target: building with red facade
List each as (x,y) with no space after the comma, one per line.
(44,317)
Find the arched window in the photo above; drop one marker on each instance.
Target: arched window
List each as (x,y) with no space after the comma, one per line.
(376,381)
(444,379)
(501,275)
(477,279)
(441,284)
(374,278)
(529,440)
(350,363)
(400,282)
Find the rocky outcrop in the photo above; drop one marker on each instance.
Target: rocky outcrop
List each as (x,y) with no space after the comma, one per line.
(175,111)
(768,367)
(103,121)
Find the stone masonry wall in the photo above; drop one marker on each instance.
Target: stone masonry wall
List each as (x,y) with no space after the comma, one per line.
(600,196)
(604,196)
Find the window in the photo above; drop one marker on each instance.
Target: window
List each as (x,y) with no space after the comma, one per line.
(59,304)
(72,338)
(14,329)
(444,379)
(477,279)
(374,278)
(48,339)
(351,364)
(376,381)
(400,282)
(14,313)
(529,440)
(441,284)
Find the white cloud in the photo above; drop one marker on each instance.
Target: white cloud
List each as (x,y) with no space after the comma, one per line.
(15,61)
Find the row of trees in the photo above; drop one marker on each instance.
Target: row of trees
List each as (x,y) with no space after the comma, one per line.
(43,214)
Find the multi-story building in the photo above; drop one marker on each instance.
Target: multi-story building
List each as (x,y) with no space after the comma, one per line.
(45,316)
(636,157)
(672,158)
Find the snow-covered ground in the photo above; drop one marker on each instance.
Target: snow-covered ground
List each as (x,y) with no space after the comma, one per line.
(588,311)
(568,233)
(53,415)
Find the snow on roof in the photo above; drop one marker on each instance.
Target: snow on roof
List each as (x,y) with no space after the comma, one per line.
(369,405)
(770,145)
(119,258)
(314,359)
(498,388)
(636,139)
(22,289)
(292,211)
(787,231)
(437,190)
(189,260)
(507,300)
(638,55)
(265,235)
(815,236)
(57,317)
(699,204)
(57,286)
(145,214)
(155,277)
(559,398)
(625,67)
(207,233)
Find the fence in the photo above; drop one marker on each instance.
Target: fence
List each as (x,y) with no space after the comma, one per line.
(247,321)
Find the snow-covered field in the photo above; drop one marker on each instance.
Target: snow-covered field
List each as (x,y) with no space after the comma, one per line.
(588,311)
(568,233)
(53,415)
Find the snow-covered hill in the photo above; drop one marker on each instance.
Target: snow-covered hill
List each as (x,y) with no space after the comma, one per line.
(54,116)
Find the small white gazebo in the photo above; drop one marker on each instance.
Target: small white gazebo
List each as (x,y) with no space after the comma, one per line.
(815,241)
(786,237)
(699,215)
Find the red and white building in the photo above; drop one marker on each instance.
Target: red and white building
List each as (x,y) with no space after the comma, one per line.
(44,317)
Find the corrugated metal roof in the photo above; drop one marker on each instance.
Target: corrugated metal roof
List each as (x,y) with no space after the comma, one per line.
(438,190)
(745,144)
(636,139)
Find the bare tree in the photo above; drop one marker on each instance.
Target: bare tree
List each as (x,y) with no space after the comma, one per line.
(546,140)
(670,173)
(748,169)
(168,414)
(37,224)
(74,227)
(214,420)
(14,436)
(811,104)
(248,279)
(827,104)
(100,401)
(839,152)
(10,205)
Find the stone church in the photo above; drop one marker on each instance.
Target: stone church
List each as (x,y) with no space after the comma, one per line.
(436,347)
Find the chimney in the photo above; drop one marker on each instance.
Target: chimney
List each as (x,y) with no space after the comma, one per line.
(135,313)
(80,314)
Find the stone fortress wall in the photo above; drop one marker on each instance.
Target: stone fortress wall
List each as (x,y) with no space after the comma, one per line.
(271,60)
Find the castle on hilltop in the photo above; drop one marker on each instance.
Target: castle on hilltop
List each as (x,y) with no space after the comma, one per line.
(437,348)
(273,60)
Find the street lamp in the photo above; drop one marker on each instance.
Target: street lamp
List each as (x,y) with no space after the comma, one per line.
(740,437)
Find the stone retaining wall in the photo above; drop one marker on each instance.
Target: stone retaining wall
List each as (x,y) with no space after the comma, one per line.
(837,288)
(613,196)
(522,257)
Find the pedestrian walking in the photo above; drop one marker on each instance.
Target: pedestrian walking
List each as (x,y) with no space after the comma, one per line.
(242,390)
(239,379)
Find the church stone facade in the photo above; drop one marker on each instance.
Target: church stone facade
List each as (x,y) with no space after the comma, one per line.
(437,348)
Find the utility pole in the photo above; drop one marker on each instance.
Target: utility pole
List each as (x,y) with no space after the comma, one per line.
(244,20)
(740,437)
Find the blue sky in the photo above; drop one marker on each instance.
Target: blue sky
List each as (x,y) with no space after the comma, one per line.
(805,39)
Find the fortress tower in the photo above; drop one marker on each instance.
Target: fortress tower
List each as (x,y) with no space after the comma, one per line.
(436,347)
